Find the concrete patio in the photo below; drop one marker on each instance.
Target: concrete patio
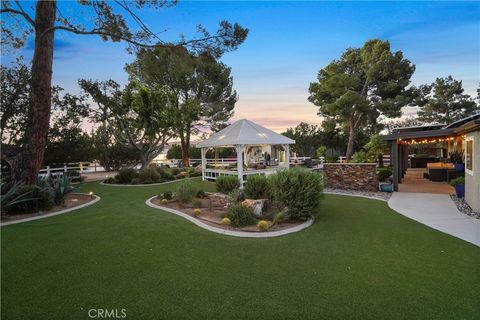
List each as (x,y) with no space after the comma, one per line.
(438,212)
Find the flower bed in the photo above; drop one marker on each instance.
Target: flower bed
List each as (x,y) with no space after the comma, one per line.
(286,199)
(72,201)
(213,210)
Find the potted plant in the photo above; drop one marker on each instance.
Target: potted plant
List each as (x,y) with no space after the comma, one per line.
(456,157)
(459,184)
(384,176)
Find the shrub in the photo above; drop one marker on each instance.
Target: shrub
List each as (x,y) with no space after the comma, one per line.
(185,191)
(262,225)
(226,184)
(240,216)
(109,180)
(297,189)
(135,181)
(164,201)
(196,203)
(126,175)
(36,199)
(457,181)
(148,175)
(164,174)
(168,195)
(332,159)
(279,217)
(197,212)
(359,157)
(384,173)
(226,221)
(175,171)
(201,194)
(193,173)
(256,187)
(235,196)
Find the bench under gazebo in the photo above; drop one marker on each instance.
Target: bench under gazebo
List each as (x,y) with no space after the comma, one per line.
(258,151)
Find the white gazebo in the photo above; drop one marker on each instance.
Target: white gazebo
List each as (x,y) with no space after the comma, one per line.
(259,151)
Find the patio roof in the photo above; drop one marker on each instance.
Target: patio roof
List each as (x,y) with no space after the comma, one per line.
(244,132)
(459,127)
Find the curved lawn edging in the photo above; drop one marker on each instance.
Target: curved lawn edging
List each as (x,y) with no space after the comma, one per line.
(145,185)
(354,195)
(241,234)
(48,215)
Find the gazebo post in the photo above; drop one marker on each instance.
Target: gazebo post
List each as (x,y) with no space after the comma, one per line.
(286,147)
(204,163)
(239,150)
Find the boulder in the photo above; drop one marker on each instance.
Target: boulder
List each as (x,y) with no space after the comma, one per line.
(257,205)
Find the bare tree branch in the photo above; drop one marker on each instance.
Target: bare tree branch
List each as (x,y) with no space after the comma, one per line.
(22,13)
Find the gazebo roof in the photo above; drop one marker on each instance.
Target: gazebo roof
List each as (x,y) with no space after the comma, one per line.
(244,132)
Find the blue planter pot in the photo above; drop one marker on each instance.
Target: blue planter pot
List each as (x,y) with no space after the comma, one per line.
(459,167)
(460,190)
(386,187)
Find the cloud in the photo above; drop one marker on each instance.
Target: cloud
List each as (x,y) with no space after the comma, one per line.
(58,44)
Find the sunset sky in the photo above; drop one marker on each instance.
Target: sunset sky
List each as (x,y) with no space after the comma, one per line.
(288,43)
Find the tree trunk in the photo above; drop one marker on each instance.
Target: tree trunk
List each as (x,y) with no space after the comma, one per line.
(351,139)
(36,136)
(185,144)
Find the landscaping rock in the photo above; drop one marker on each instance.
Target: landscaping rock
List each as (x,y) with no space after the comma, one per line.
(257,205)
(464,208)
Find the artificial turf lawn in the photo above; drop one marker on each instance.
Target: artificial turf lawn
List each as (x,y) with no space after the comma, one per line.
(360,260)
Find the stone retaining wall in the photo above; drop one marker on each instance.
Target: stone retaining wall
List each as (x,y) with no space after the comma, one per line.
(351,176)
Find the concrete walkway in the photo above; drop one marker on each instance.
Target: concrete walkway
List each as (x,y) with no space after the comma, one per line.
(438,212)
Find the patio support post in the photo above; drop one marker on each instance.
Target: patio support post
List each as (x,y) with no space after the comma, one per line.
(204,163)
(239,150)
(395,163)
(286,147)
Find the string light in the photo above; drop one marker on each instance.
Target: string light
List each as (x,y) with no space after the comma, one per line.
(426,141)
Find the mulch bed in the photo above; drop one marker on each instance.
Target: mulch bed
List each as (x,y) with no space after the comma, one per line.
(72,200)
(214,208)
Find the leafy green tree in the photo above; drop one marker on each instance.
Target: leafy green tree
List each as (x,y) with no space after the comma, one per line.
(307,138)
(444,102)
(202,85)
(175,152)
(362,85)
(111,154)
(15,100)
(111,20)
(375,148)
(66,140)
(138,117)
(321,151)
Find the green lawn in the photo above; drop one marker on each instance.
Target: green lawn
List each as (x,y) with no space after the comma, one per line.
(360,260)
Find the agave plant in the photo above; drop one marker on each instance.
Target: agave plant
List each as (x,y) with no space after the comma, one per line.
(61,186)
(456,157)
(11,197)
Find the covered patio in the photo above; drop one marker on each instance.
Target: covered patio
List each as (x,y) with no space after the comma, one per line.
(431,171)
(258,151)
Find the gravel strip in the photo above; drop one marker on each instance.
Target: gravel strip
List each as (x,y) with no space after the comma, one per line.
(464,208)
(378,195)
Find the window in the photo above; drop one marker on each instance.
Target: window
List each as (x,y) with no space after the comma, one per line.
(469,156)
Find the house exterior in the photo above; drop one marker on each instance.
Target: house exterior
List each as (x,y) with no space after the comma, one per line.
(462,135)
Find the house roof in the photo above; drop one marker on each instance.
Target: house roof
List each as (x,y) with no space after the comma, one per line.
(244,132)
(468,124)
